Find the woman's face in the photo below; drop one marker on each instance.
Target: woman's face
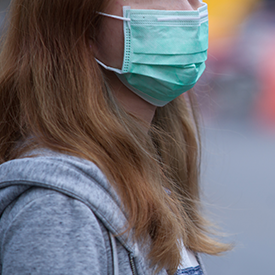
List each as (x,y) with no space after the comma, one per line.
(110,40)
(109,49)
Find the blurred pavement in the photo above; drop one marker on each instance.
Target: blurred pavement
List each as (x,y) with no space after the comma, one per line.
(238,178)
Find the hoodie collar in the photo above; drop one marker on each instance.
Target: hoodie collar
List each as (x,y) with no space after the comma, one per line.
(75,177)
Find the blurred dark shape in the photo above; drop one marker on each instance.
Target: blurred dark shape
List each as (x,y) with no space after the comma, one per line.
(2,17)
(3,9)
(269,5)
(265,107)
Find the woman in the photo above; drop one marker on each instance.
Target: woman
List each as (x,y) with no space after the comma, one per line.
(99,152)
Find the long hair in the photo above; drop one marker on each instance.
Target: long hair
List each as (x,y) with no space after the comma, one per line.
(53,95)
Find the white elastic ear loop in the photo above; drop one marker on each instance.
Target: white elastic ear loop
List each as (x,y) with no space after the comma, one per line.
(108,68)
(115,16)
(119,18)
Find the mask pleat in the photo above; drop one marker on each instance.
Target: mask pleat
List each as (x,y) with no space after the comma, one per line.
(172,59)
(169,40)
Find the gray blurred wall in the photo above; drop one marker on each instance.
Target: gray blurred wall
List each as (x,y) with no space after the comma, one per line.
(3,7)
(4,4)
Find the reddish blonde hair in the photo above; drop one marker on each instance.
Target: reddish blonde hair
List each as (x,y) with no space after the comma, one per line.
(53,94)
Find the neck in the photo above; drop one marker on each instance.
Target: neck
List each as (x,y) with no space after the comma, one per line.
(131,102)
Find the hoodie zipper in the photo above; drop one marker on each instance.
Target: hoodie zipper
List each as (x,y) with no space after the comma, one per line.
(132,264)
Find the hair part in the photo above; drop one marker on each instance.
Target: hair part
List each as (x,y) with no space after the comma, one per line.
(53,95)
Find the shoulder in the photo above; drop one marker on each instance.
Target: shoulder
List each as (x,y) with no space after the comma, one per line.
(74,177)
(47,232)
(64,173)
(41,202)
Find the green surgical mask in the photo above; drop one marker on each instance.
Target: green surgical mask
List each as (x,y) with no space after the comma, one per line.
(164,52)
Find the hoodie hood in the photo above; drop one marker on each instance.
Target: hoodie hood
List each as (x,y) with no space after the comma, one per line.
(75,177)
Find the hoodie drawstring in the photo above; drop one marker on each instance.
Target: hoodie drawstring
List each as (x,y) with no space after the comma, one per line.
(114,251)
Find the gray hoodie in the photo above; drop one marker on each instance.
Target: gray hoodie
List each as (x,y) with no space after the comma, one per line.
(59,215)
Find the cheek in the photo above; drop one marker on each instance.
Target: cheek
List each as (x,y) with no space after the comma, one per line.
(195,4)
(110,43)
(179,4)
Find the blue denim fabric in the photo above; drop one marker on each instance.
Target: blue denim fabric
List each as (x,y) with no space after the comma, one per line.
(190,271)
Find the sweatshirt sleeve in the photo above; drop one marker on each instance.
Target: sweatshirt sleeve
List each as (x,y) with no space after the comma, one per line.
(51,233)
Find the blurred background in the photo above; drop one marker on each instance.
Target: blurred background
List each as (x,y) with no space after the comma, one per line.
(237,98)
(237,101)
